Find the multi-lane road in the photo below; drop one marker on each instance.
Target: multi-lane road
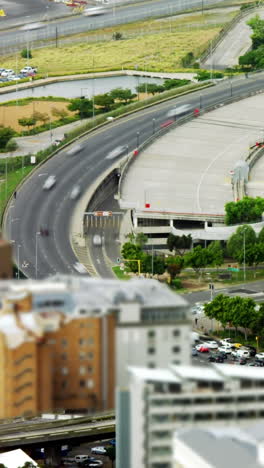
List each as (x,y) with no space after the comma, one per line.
(35,208)
(15,39)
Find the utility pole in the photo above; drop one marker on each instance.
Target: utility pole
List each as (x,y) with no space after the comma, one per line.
(244,250)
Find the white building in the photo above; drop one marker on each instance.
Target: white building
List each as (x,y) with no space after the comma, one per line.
(159,401)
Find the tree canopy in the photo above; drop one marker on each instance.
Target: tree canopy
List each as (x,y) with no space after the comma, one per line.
(244,211)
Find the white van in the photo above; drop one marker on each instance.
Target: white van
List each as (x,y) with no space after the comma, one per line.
(179,111)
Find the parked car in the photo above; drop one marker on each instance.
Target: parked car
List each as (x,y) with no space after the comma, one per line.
(223,355)
(216,358)
(8,72)
(202,348)
(225,349)
(98,450)
(112,442)
(252,350)
(49,182)
(259,356)
(257,363)
(194,352)
(242,361)
(212,344)
(80,458)
(241,353)
(27,70)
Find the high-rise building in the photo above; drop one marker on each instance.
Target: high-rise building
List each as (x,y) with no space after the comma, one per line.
(65,342)
(157,402)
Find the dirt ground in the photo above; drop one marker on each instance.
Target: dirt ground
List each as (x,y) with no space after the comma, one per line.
(9,115)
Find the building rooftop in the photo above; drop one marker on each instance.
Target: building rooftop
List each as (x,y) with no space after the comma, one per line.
(154,375)
(197,373)
(220,448)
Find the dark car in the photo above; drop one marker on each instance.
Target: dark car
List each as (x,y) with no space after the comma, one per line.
(223,355)
(242,361)
(252,350)
(217,358)
(259,363)
(112,442)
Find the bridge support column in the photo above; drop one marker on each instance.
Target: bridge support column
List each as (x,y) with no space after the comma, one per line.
(52,456)
(171,222)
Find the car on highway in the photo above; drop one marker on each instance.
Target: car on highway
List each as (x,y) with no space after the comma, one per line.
(32,26)
(74,150)
(97,240)
(118,151)
(49,182)
(100,450)
(180,111)
(259,356)
(202,348)
(80,268)
(76,192)
(94,11)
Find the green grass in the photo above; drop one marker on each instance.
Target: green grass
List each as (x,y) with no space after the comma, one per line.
(120,274)
(13,179)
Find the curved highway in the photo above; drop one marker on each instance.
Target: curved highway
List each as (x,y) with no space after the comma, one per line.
(16,39)
(35,208)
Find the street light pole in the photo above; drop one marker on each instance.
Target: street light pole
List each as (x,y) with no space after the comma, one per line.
(18,262)
(36,259)
(138,133)
(244,250)
(153,125)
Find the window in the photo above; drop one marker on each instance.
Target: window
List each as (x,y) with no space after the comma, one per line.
(64,384)
(176,332)
(90,340)
(90,355)
(82,383)
(176,349)
(64,356)
(151,350)
(81,341)
(51,341)
(64,342)
(82,355)
(90,383)
(82,370)
(151,333)
(64,370)
(82,325)
(90,369)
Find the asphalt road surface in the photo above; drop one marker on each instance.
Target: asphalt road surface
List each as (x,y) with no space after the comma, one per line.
(15,39)
(35,208)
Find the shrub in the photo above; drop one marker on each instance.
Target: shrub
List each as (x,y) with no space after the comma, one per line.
(26,53)
(117,36)
(176,283)
(6,133)
(11,145)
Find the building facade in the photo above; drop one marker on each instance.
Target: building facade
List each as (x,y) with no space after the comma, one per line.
(157,402)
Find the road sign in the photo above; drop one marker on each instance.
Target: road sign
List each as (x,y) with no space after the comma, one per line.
(2,13)
(103,213)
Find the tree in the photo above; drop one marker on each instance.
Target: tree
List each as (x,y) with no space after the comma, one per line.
(188,60)
(151,88)
(179,243)
(83,106)
(197,259)
(27,121)
(218,308)
(11,145)
(261,236)
(111,453)
(117,36)
(138,239)
(174,266)
(175,83)
(61,114)
(131,251)
(257,25)
(6,133)
(26,53)
(123,95)
(40,116)
(105,101)
(244,235)
(216,252)
(244,211)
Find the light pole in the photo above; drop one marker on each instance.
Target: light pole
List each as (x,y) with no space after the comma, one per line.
(153,126)
(10,220)
(244,250)
(93,95)
(36,259)
(138,133)
(11,224)
(231,88)
(18,262)
(200,101)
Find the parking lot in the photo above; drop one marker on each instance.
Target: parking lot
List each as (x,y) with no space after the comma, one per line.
(70,460)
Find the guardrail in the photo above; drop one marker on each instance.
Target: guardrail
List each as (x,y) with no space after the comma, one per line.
(215,42)
(132,158)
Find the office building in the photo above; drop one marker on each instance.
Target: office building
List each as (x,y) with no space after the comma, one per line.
(157,402)
(66,341)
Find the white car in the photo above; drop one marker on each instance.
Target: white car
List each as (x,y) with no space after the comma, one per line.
(180,110)
(74,150)
(94,11)
(117,152)
(75,193)
(259,356)
(241,353)
(97,240)
(8,72)
(99,450)
(27,70)
(80,268)
(212,344)
(227,342)
(32,26)
(49,182)
(225,349)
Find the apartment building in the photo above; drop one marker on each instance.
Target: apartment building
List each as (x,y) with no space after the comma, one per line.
(157,402)
(66,341)
(6,263)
